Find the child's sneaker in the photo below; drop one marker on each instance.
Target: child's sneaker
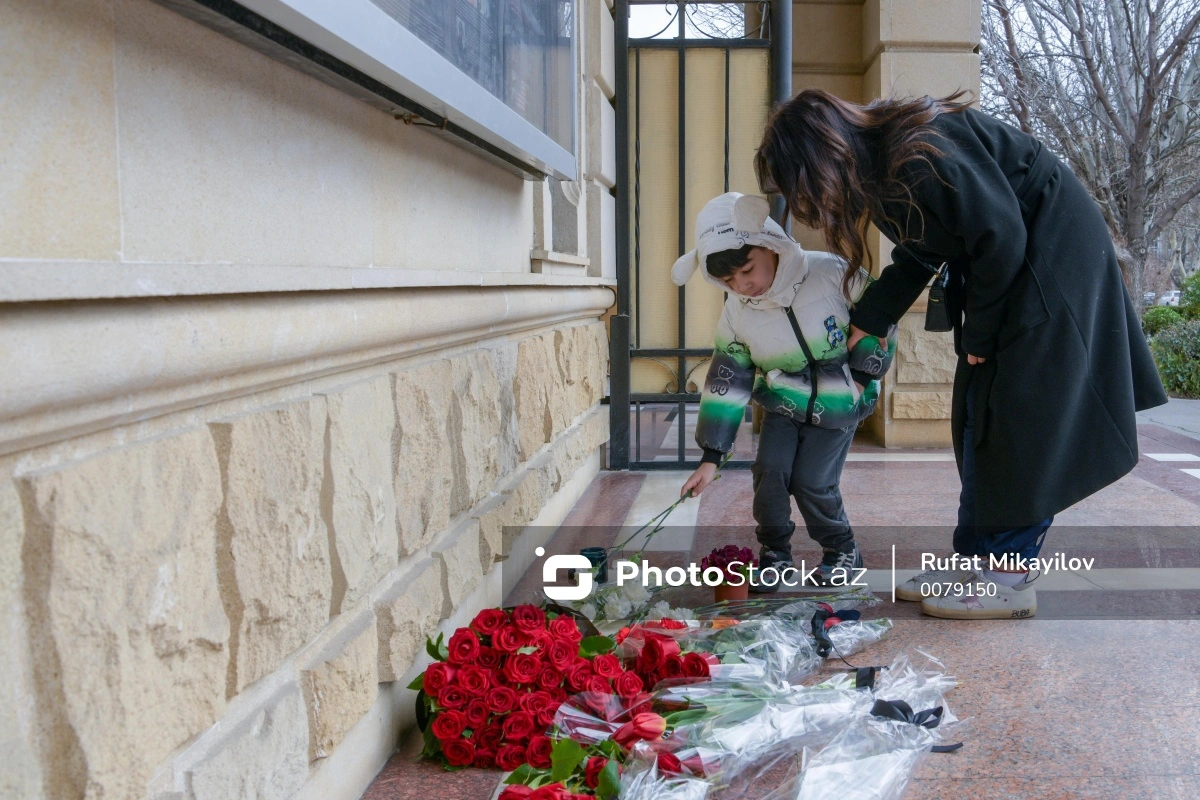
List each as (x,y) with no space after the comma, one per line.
(839,565)
(986,600)
(778,560)
(923,584)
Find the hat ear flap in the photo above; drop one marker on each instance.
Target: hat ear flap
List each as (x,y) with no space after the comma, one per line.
(750,212)
(684,267)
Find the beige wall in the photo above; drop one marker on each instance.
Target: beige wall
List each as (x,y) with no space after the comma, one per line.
(279,371)
(866,49)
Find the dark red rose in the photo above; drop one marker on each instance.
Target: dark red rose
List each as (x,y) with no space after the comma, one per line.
(484,759)
(549,678)
(510,756)
(452,697)
(564,627)
(607,666)
(501,700)
(545,715)
(528,702)
(562,654)
(489,738)
(538,751)
(558,695)
(669,764)
(518,726)
(490,658)
(628,684)
(694,765)
(596,701)
(458,752)
(488,621)
(578,677)
(476,714)
(463,647)
(522,668)
(438,676)
(657,650)
(449,724)
(599,685)
(671,667)
(475,681)
(694,666)
(528,619)
(553,791)
(508,639)
(515,792)
(539,639)
(591,773)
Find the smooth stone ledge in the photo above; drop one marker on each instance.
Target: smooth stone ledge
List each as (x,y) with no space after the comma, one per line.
(23,281)
(71,369)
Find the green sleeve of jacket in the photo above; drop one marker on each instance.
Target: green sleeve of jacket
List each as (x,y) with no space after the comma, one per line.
(726,392)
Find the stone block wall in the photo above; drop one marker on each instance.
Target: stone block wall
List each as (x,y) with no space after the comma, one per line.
(207,612)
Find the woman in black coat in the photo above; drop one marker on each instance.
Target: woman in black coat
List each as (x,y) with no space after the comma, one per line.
(1052,362)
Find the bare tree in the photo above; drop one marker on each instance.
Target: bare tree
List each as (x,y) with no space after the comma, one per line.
(1113,87)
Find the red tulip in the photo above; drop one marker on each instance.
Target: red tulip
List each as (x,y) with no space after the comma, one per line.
(646,726)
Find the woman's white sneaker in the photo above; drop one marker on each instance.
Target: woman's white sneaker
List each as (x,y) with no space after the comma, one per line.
(923,584)
(979,598)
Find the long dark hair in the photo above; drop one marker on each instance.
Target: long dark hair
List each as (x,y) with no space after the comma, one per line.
(837,164)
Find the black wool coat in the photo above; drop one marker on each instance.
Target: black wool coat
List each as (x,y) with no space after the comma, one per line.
(1034,287)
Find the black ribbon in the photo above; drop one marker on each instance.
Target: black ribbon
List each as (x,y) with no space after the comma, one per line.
(900,711)
(819,618)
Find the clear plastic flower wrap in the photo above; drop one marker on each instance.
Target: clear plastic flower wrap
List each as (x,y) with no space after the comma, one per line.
(767,650)
(787,606)
(647,782)
(872,759)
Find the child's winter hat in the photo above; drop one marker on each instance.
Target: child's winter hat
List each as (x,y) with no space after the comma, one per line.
(728,222)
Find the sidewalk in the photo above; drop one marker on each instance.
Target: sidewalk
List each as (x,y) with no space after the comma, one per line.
(1061,705)
(1179,415)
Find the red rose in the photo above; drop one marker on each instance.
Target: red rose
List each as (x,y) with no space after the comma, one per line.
(667,624)
(476,714)
(669,764)
(490,658)
(463,647)
(597,702)
(449,724)
(694,765)
(646,726)
(484,759)
(599,685)
(438,676)
(657,650)
(475,681)
(518,726)
(528,702)
(458,752)
(489,738)
(578,677)
(501,700)
(564,627)
(522,668)
(549,678)
(488,621)
(628,684)
(452,697)
(591,773)
(561,654)
(671,667)
(540,639)
(508,639)
(515,792)
(558,695)
(545,715)
(538,751)
(528,619)
(607,665)
(622,635)
(553,791)
(510,756)
(694,665)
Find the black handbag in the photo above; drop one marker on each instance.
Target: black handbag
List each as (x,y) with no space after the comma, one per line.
(937,314)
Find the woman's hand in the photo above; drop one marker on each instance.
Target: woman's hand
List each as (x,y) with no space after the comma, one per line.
(855,336)
(700,479)
(973,360)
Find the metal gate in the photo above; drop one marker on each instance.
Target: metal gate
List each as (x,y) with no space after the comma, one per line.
(689,112)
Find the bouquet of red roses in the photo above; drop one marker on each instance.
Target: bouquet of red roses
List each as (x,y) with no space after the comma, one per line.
(734,561)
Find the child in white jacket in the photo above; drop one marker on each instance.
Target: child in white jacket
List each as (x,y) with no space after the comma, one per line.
(781,341)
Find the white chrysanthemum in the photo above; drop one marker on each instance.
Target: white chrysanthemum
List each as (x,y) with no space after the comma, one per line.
(660,610)
(588,610)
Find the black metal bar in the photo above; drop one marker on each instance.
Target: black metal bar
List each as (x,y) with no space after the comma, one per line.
(619,372)
(681,293)
(671,352)
(666,398)
(637,442)
(781,73)
(692,44)
(637,192)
